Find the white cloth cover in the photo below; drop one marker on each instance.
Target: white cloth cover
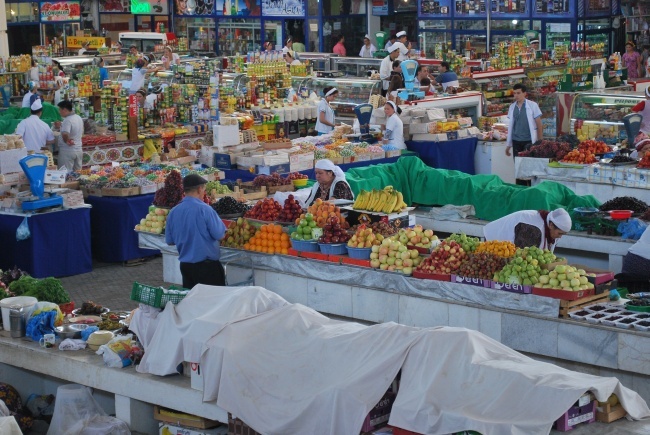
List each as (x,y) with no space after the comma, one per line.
(144,323)
(504,228)
(642,247)
(455,379)
(184,328)
(9,426)
(294,371)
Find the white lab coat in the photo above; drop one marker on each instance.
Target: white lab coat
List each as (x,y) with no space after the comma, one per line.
(532,113)
(35,133)
(385,68)
(367,52)
(395,132)
(642,247)
(26,99)
(504,228)
(329,116)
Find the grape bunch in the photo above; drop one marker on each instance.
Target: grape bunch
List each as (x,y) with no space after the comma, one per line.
(229,205)
(547,149)
(215,187)
(469,244)
(270,180)
(172,192)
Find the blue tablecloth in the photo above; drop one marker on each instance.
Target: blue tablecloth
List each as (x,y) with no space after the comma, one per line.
(454,154)
(236,174)
(113,220)
(59,244)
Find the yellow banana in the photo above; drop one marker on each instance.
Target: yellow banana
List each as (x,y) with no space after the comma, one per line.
(371,199)
(390,204)
(382,202)
(365,200)
(358,201)
(400,202)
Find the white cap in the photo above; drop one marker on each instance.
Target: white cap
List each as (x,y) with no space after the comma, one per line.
(366,37)
(400,34)
(37,105)
(560,219)
(393,47)
(534,41)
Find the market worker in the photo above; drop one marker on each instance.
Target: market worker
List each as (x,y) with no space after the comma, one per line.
(35,133)
(133,50)
(368,49)
(394,130)
(386,68)
(268,46)
(325,120)
(72,129)
(84,48)
(27,99)
(637,259)
(524,122)
(138,74)
(632,60)
(289,59)
(396,81)
(170,58)
(330,183)
(530,228)
(447,78)
(421,72)
(339,47)
(534,44)
(404,45)
(33,72)
(644,110)
(288,46)
(103,72)
(196,230)
(150,100)
(141,97)
(391,41)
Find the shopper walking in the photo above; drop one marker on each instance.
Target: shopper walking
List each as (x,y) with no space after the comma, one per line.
(196,230)
(35,133)
(339,47)
(524,122)
(72,129)
(632,61)
(368,49)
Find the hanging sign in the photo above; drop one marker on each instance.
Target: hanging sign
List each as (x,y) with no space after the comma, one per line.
(380,7)
(242,8)
(115,6)
(133,106)
(194,7)
(286,8)
(149,7)
(76,41)
(60,11)
(598,8)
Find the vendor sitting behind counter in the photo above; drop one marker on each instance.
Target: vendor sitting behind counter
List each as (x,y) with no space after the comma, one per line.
(530,228)
(330,183)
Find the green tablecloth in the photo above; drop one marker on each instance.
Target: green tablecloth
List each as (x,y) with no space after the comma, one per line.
(491,197)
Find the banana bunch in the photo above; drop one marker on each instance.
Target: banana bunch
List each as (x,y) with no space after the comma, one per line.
(386,201)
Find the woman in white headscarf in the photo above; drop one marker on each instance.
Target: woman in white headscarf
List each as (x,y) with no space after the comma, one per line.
(394,130)
(530,228)
(330,183)
(325,121)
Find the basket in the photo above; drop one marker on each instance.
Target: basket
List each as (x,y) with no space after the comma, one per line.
(359,253)
(333,248)
(304,246)
(155,296)
(300,183)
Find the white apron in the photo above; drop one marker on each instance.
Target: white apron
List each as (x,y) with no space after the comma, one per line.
(504,228)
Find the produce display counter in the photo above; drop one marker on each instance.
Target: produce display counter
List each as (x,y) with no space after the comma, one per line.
(526,323)
(112,221)
(601,252)
(59,244)
(454,154)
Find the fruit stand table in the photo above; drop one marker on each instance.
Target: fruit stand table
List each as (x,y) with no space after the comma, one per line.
(112,221)
(59,244)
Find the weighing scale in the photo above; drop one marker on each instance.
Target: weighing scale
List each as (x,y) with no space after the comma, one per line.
(409,69)
(364,113)
(34,167)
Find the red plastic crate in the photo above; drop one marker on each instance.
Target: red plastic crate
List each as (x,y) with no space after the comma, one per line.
(355,262)
(562,294)
(434,276)
(315,255)
(294,252)
(575,416)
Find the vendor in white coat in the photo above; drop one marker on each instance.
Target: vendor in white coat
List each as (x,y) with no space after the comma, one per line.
(524,122)
(637,259)
(368,49)
(27,99)
(35,133)
(330,183)
(394,131)
(530,228)
(325,120)
(386,68)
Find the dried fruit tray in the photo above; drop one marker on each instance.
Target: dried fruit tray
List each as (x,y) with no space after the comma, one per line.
(626,322)
(638,326)
(580,315)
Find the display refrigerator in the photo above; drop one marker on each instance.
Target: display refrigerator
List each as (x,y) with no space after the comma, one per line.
(355,66)
(352,92)
(320,61)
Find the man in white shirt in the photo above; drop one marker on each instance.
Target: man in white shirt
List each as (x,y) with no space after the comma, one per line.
(72,129)
(35,133)
(404,45)
(84,48)
(27,99)
(386,67)
(150,100)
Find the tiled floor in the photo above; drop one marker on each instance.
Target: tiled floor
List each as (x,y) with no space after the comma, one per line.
(110,285)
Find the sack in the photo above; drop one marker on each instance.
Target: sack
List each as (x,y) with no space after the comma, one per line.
(22,232)
(117,352)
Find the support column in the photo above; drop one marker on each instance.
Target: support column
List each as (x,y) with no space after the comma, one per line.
(4,40)
(137,414)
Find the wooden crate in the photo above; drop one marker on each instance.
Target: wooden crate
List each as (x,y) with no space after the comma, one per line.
(121,191)
(248,187)
(182,419)
(241,194)
(567,307)
(607,413)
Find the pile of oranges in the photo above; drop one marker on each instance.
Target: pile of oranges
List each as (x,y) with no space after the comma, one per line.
(269,239)
(496,247)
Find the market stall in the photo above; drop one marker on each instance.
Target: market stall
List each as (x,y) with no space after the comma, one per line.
(457,155)
(59,244)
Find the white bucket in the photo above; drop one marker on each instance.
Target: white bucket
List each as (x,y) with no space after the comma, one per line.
(301,113)
(23,301)
(287,115)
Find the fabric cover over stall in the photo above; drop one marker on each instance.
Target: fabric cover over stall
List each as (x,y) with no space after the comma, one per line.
(491,197)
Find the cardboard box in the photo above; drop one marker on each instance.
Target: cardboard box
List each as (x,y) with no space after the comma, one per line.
(89,191)
(395,153)
(301,162)
(268,170)
(15,178)
(183,419)
(72,198)
(122,191)
(167,428)
(224,160)
(225,135)
(9,160)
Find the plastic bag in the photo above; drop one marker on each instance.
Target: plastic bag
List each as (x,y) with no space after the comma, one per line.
(41,324)
(86,332)
(100,425)
(117,352)
(44,307)
(632,229)
(40,405)
(22,232)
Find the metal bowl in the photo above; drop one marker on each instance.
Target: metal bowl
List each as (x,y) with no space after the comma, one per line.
(586,211)
(70,330)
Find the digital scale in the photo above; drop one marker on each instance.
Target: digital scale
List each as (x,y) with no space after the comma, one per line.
(34,167)
(409,69)
(364,113)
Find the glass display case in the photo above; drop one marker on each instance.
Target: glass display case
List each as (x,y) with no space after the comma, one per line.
(599,115)
(542,84)
(557,34)
(352,91)
(200,32)
(435,38)
(301,86)
(320,61)
(238,36)
(159,78)
(355,66)
(498,93)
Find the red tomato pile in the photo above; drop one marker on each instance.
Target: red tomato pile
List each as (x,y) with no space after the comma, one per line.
(594,147)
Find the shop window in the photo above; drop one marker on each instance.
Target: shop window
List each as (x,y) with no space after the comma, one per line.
(21,12)
(351,27)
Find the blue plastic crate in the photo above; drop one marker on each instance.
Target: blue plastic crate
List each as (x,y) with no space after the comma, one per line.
(304,246)
(333,248)
(359,253)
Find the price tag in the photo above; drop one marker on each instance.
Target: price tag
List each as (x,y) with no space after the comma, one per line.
(55,176)
(133,106)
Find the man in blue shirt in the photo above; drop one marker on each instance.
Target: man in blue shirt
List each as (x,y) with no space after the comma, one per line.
(447,78)
(196,229)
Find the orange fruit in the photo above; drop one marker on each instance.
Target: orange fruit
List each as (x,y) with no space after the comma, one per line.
(271,250)
(285,251)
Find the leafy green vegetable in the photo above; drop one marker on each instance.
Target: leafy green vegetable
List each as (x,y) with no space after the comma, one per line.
(50,290)
(22,285)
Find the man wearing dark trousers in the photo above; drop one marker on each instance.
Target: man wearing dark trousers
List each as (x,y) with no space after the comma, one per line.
(524,122)
(196,229)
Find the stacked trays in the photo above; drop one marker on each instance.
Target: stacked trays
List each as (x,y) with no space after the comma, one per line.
(613,315)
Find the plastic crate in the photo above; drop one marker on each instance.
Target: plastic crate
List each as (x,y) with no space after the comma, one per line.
(156,296)
(333,248)
(304,246)
(359,253)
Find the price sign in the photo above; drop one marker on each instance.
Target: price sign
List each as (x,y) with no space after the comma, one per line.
(133,106)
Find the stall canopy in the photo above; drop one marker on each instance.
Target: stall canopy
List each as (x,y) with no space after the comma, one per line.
(491,197)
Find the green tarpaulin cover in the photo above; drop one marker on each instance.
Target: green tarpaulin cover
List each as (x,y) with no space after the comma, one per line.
(490,196)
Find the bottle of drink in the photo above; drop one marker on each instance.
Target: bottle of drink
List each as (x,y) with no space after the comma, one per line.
(233,8)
